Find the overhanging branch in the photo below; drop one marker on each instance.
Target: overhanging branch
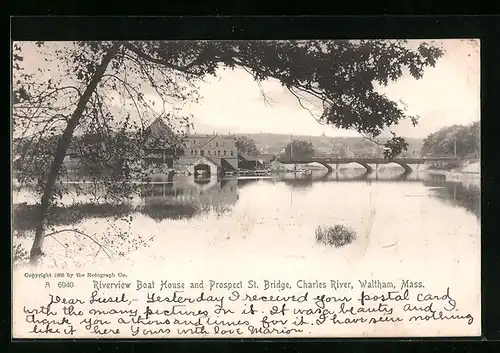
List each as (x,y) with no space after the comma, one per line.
(101,247)
(163,62)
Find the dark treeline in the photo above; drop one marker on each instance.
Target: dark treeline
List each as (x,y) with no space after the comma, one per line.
(24,216)
(459,140)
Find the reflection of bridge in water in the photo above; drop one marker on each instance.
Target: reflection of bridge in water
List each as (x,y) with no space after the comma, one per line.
(330,176)
(463,191)
(223,193)
(365,162)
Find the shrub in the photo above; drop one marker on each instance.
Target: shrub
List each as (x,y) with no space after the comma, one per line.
(19,254)
(337,235)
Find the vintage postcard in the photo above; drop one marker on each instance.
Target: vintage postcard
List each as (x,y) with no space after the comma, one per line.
(246,189)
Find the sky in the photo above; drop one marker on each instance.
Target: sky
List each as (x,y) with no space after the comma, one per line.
(232,102)
(447,94)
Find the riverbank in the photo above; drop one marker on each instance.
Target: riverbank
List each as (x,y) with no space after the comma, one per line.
(468,176)
(473,169)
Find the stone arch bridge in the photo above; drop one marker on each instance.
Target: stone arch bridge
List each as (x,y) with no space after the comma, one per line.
(365,162)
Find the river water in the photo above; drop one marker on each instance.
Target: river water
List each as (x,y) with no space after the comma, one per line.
(414,220)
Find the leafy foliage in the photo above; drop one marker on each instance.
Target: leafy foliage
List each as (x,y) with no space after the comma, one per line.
(298,150)
(337,235)
(19,254)
(394,147)
(246,145)
(466,140)
(101,91)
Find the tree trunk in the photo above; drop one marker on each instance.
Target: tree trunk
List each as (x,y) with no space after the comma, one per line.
(61,149)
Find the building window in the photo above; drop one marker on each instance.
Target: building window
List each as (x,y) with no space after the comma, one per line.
(231,153)
(224,153)
(216,144)
(218,153)
(209,152)
(192,152)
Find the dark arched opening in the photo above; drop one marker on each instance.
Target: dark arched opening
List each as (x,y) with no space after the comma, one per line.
(202,169)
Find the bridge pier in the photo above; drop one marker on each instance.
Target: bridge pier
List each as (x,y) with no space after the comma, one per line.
(367,167)
(327,166)
(366,162)
(406,167)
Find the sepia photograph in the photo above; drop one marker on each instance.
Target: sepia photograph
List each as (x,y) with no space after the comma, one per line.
(332,159)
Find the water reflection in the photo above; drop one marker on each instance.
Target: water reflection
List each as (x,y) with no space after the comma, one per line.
(306,180)
(210,191)
(24,214)
(463,192)
(460,190)
(186,197)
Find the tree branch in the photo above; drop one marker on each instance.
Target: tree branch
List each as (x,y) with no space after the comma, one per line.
(101,247)
(304,107)
(163,62)
(371,139)
(127,86)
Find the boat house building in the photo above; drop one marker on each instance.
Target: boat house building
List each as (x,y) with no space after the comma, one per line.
(212,152)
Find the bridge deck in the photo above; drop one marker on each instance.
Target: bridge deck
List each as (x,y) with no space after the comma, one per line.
(372,160)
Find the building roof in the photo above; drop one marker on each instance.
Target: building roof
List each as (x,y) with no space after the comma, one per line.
(161,129)
(210,160)
(246,157)
(208,141)
(225,164)
(158,126)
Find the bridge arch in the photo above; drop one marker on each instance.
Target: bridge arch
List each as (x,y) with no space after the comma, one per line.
(365,165)
(361,163)
(405,166)
(365,162)
(327,166)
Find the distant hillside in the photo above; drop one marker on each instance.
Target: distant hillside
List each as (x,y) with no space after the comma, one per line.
(275,143)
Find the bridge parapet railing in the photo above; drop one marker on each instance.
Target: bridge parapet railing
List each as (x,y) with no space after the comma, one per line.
(372,159)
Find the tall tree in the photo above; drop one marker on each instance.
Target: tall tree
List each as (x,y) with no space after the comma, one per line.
(461,140)
(246,145)
(76,94)
(298,150)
